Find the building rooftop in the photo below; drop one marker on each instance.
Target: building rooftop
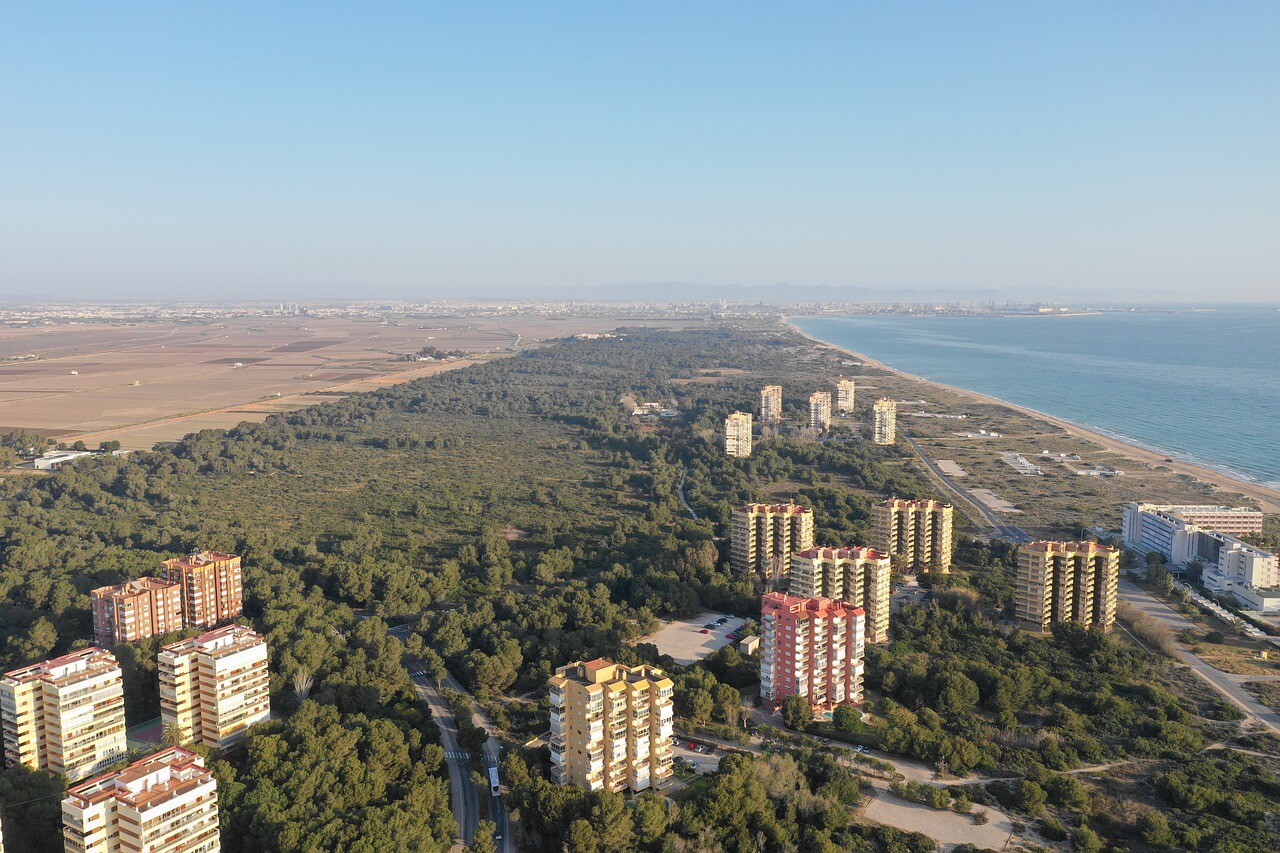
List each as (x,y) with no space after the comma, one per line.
(67,668)
(850,553)
(218,642)
(199,558)
(1063,547)
(145,784)
(793,508)
(824,606)
(133,587)
(914,503)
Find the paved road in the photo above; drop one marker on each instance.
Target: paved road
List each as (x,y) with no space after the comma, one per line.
(492,756)
(466,801)
(684,471)
(1217,679)
(466,797)
(1001,529)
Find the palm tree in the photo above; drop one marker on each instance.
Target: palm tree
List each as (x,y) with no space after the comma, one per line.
(173,735)
(303,681)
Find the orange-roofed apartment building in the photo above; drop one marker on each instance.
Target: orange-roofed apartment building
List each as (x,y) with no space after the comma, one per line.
(918,531)
(65,715)
(211,587)
(1067,581)
(146,607)
(215,686)
(857,576)
(812,647)
(763,537)
(165,803)
(611,726)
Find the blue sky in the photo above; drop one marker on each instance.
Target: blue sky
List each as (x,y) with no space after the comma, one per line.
(417,150)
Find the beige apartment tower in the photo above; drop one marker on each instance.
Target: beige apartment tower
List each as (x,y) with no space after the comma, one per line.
(737,435)
(763,537)
(611,726)
(771,404)
(65,715)
(1067,581)
(885,425)
(211,587)
(165,803)
(845,390)
(146,607)
(857,576)
(918,531)
(215,686)
(820,410)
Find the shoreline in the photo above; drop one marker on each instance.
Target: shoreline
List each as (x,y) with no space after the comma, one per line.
(1267,498)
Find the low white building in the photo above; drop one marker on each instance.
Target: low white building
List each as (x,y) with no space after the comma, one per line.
(1238,564)
(55,459)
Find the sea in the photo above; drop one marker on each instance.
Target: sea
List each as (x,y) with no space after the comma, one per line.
(1202,385)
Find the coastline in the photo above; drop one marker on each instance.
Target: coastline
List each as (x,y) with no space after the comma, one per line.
(1268,499)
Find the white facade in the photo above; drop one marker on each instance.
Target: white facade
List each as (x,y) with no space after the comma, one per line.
(771,404)
(737,435)
(820,410)
(1171,530)
(1239,564)
(845,391)
(885,430)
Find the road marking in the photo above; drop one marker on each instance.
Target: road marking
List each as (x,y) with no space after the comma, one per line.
(457,756)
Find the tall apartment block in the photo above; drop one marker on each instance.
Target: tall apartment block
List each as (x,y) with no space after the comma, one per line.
(813,647)
(763,537)
(918,530)
(211,587)
(611,726)
(771,404)
(820,410)
(65,715)
(166,803)
(1067,581)
(845,390)
(146,607)
(737,435)
(1173,530)
(885,426)
(859,577)
(215,686)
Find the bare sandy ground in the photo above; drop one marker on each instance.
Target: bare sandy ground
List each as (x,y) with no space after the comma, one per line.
(149,382)
(1267,499)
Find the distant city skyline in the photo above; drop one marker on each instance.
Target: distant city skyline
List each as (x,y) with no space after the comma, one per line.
(1097,152)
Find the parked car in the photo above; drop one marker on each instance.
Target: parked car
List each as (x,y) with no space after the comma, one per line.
(859,748)
(705,631)
(825,741)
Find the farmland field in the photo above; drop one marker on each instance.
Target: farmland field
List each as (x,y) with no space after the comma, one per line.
(147,382)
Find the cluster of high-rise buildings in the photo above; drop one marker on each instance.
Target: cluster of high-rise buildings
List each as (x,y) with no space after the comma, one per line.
(738,425)
(66,715)
(197,591)
(822,604)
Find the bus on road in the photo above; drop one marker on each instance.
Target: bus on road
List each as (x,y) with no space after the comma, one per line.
(495,787)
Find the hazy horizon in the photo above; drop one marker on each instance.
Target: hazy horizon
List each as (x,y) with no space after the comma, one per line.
(1117,153)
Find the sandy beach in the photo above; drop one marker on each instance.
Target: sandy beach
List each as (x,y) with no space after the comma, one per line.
(1267,499)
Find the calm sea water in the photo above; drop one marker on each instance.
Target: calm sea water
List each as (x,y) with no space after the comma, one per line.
(1200,385)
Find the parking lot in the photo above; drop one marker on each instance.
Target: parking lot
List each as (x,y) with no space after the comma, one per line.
(690,640)
(906,594)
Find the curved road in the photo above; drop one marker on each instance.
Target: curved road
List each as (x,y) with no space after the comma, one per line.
(1224,683)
